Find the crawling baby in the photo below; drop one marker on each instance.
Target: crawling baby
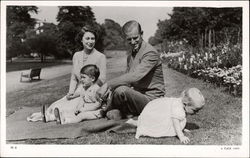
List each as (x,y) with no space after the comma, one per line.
(167,116)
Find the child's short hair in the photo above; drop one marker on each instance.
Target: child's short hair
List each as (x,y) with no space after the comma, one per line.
(195,96)
(91,70)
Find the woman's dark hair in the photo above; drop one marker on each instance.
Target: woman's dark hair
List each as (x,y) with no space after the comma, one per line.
(91,71)
(84,29)
(87,28)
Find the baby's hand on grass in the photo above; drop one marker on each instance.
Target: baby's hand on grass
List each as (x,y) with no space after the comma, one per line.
(184,140)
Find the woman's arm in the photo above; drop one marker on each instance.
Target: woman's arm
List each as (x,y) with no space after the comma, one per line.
(73,79)
(103,71)
(179,132)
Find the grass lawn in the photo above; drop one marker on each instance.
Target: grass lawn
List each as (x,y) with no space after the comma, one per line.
(218,123)
(24,65)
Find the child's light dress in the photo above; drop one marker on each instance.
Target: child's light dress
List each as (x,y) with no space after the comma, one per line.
(156,118)
(89,101)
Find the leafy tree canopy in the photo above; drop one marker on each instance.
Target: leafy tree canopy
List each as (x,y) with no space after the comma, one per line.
(189,22)
(18,21)
(71,19)
(113,38)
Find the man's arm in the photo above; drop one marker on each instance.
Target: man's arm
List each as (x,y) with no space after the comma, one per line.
(148,62)
(179,132)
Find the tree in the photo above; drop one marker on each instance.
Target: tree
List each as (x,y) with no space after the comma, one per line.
(189,23)
(71,19)
(113,38)
(16,48)
(18,21)
(44,44)
(39,37)
(154,41)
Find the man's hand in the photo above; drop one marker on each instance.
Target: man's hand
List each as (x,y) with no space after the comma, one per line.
(184,140)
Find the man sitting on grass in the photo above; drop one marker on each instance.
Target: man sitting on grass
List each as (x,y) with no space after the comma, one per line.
(143,81)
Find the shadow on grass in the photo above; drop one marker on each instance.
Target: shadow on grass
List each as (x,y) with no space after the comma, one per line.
(191,126)
(31,81)
(25,65)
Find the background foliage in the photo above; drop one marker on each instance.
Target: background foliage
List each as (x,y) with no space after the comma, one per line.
(113,38)
(200,27)
(189,23)
(61,40)
(18,21)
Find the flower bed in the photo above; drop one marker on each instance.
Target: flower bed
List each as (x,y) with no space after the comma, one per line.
(231,78)
(220,65)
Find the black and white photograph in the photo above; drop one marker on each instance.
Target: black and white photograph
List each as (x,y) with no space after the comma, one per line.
(125,78)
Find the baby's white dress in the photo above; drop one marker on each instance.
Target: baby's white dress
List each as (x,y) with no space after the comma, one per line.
(156,118)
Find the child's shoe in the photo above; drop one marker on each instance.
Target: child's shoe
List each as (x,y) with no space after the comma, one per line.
(57,116)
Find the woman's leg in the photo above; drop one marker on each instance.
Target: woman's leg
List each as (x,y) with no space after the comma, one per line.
(64,105)
(49,113)
(88,115)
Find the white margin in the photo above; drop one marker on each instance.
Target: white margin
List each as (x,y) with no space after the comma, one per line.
(131,150)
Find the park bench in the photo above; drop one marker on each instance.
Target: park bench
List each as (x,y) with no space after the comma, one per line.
(33,72)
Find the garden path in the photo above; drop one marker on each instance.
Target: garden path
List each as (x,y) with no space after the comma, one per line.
(115,64)
(13,78)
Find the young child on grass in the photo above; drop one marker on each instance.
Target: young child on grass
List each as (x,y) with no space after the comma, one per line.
(88,106)
(166,116)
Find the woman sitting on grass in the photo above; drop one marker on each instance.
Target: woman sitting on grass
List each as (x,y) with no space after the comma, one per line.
(89,55)
(166,116)
(88,107)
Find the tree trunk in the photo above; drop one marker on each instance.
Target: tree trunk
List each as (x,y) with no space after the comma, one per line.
(199,38)
(41,58)
(238,39)
(214,39)
(205,38)
(209,39)
(202,39)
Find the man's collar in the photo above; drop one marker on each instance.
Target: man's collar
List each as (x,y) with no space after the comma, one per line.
(143,44)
